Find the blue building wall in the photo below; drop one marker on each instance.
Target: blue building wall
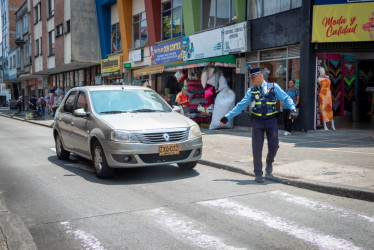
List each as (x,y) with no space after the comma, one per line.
(103,19)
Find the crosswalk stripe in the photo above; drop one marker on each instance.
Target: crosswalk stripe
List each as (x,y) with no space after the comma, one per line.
(88,240)
(317,206)
(289,227)
(187,228)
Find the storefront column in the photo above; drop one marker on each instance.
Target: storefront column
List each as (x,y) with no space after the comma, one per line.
(307,71)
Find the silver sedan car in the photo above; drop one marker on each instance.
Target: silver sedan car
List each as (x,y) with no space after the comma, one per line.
(124,127)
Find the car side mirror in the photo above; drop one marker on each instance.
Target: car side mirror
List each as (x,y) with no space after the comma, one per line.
(177,109)
(81,113)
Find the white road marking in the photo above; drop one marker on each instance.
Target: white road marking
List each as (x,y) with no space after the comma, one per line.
(186,228)
(88,240)
(317,206)
(310,235)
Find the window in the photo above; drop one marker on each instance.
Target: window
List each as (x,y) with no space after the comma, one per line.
(261,8)
(36,47)
(217,13)
(172,19)
(37,13)
(40,46)
(116,38)
(69,103)
(51,8)
(19,33)
(18,59)
(82,101)
(67,26)
(51,42)
(26,52)
(25,23)
(10,62)
(59,30)
(140,32)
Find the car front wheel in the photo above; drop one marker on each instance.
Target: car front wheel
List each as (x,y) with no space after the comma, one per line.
(62,154)
(187,165)
(102,169)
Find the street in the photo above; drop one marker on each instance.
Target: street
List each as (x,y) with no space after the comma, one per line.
(64,205)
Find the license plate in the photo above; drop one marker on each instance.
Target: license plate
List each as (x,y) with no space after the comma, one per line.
(170,149)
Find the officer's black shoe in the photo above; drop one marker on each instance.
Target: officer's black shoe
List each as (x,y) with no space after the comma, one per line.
(269,168)
(259,179)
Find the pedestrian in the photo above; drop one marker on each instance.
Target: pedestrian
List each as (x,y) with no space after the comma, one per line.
(263,118)
(184,101)
(19,104)
(42,103)
(294,94)
(32,103)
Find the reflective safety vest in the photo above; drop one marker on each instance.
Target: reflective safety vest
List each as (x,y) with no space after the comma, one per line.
(265,105)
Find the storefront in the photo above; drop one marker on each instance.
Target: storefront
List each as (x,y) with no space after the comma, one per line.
(345,50)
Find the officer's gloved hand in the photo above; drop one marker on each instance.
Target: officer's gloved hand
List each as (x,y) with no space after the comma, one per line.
(223,120)
(293,115)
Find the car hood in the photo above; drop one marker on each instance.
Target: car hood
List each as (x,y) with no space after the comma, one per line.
(147,121)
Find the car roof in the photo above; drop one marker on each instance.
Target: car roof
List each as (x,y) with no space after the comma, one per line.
(110,87)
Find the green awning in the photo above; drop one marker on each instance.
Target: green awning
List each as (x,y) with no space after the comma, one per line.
(223,61)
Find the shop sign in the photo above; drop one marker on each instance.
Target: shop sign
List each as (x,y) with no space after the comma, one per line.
(203,45)
(31,82)
(167,52)
(234,38)
(110,65)
(127,65)
(98,80)
(343,22)
(218,42)
(40,84)
(137,55)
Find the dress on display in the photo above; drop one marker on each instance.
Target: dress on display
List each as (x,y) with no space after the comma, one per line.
(325,100)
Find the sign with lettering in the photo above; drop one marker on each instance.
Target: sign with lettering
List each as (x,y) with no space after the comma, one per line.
(234,38)
(111,66)
(343,22)
(167,52)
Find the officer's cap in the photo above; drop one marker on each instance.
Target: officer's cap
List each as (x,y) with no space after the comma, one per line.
(254,71)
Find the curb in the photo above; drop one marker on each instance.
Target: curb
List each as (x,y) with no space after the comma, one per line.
(322,187)
(29,121)
(13,231)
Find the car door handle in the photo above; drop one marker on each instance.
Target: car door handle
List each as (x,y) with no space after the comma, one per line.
(72,123)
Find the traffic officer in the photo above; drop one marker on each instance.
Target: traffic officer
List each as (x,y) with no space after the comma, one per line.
(263,118)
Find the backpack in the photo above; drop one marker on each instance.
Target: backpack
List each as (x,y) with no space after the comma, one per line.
(43,102)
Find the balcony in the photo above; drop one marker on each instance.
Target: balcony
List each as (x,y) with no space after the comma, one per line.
(20,41)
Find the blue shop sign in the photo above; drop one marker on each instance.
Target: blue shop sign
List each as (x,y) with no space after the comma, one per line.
(167,52)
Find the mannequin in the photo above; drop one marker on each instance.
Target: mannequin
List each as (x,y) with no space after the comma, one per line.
(325,99)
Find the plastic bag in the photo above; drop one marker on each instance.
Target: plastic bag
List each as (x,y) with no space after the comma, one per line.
(225,102)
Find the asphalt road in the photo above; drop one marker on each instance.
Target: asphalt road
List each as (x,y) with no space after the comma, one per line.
(64,206)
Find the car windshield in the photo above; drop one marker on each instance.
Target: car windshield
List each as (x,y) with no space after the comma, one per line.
(128,101)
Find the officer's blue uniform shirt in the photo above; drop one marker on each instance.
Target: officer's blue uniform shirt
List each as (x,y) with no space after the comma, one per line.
(248,98)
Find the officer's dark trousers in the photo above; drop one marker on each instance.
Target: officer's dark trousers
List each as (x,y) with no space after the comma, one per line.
(259,128)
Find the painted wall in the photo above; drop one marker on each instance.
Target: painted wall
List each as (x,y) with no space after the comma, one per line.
(67,36)
(85,41)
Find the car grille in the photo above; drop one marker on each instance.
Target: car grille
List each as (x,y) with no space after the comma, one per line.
(174,136)
(156,158)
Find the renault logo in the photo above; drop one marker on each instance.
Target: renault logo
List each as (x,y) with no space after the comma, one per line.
(166,137)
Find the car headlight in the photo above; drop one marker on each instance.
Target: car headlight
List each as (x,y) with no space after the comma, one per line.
(194,132)
(123,136)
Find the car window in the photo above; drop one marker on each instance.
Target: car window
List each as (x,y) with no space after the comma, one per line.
(69,103)
(81,101)
(116,101)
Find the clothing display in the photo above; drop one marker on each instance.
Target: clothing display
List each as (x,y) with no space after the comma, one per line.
(325,99)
